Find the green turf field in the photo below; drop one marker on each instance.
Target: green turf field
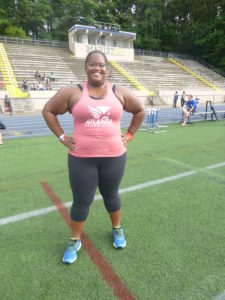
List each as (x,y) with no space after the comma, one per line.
(175,228)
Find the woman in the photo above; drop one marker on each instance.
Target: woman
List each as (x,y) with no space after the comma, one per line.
(97,150)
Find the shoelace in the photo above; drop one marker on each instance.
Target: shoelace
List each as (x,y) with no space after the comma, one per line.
(118,231)
(71,246)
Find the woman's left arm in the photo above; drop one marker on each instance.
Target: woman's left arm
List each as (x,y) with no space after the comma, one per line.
(131,104)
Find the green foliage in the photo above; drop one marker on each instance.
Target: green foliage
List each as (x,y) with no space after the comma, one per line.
(5,20)
(70,13)
(212,45)
(188,27)
(15,31)
(149,21)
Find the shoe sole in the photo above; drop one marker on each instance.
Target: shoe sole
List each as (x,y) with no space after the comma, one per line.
(71,262)
(114,245)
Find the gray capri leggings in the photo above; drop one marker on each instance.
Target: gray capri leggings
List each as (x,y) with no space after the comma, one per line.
(86,174)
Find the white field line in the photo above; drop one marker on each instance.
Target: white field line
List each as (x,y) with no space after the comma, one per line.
(220,296)
(222,164)
(44,211)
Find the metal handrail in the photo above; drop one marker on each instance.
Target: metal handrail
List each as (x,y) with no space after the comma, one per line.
(36,42)
(160,54)
(103,25)
(206,64)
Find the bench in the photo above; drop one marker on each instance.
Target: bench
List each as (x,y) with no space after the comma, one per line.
(221,112)
(209,111)
(205,114)
(213,113)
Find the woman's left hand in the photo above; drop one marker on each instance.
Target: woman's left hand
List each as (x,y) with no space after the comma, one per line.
(69,143)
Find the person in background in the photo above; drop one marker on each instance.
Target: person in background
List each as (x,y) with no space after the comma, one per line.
(48,85)
(97,149)
(44,77)
(8,106)
(38,75)
(175,98)
(52,77)
(2,126)
(25,84)
(110,76)
(34,87)
(189,109)
(2,85)
(40,86)
(182,99)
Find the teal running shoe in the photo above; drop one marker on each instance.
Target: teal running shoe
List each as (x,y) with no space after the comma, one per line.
(119,241)
(70,254)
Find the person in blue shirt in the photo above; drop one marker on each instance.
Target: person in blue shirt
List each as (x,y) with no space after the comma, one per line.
(189,109)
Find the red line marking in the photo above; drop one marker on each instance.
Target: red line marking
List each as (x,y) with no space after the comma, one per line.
(106,270)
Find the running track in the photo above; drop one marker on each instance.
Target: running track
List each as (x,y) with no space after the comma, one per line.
(32,125)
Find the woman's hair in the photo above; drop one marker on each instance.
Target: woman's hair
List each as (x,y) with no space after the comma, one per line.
(93,52)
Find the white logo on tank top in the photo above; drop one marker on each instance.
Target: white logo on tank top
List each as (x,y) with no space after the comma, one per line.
(100,116)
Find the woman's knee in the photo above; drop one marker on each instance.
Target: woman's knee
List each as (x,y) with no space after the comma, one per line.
(79,213)
(112,203)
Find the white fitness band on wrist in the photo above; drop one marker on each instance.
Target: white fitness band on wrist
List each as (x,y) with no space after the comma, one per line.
(62,137)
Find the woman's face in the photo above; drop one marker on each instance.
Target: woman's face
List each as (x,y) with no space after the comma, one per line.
(96,69)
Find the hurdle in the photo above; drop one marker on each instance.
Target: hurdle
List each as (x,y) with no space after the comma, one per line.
(151,121)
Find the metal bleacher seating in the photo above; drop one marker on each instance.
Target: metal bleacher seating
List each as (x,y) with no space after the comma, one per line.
(26,59)
(155,73)
(158,73)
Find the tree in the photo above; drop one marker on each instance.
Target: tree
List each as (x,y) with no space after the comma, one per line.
(148,18)
(183,26)
(7,9)
(32,16)
(71,12)
(195,28)
(15,31)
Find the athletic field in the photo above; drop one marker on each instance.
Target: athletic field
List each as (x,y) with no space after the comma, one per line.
(173,196)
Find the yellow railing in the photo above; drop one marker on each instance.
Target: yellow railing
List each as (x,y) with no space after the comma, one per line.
(203,80)
(130,78)
(9,77)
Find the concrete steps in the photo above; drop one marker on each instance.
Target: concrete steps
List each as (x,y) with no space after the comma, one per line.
(155,73)
(22,105)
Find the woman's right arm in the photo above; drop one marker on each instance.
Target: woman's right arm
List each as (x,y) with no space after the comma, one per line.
(57,105)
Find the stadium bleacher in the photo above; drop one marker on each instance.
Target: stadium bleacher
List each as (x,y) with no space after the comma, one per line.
(156,74)
(26,59)
(208,73)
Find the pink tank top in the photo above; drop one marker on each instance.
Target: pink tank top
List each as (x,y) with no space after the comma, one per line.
(97,131)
